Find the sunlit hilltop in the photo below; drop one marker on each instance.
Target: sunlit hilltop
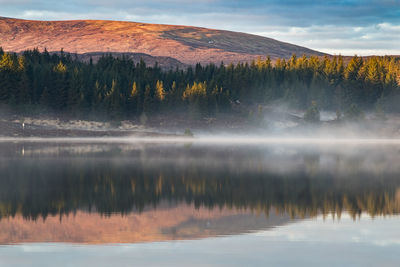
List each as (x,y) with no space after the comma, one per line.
(186,44)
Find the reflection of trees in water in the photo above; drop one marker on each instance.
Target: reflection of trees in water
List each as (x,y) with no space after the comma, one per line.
(64,186)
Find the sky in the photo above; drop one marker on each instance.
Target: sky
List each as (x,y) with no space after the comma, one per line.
(347,27)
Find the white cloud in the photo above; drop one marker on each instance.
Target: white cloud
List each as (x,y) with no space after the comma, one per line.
(378,39)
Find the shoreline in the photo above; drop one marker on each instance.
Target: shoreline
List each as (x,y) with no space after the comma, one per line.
(283,124)
(249,140)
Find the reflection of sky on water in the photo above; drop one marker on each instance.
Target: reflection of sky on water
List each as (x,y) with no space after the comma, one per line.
(314,242)
(378,231)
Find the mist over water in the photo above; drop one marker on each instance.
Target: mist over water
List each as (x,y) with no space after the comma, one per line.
(219,192)
(219,139)
(302,179)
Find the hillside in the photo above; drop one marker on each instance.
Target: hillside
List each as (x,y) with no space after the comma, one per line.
(188,45)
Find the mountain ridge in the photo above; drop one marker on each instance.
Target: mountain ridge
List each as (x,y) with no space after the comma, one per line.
(187,44)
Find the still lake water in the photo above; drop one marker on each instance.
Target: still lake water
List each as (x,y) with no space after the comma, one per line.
(180,204)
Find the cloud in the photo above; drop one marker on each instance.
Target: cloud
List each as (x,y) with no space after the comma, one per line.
(289,13)
(380,39)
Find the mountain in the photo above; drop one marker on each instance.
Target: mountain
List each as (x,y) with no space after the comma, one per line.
(188,45)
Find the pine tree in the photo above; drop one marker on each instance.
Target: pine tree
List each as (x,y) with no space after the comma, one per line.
(46,99)
(134,91)
(148,100)
(8,79)
(353,68)
(114,100)
(160,92)
(133,99)
(196,96)
(24,93)
(75,95)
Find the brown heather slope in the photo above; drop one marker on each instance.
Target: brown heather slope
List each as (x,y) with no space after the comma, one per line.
(189,45)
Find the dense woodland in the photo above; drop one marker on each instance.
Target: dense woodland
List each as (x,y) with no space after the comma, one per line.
(120,88)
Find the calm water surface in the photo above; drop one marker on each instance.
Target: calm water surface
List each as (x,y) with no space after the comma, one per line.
(102,204)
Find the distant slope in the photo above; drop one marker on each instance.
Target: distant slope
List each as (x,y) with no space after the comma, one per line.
(188,45)
(165,63)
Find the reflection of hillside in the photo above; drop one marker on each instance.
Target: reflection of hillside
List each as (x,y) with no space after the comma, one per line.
(180,222)
(242,222)
(295,181)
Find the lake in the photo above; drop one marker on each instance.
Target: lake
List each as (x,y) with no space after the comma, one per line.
(143,203)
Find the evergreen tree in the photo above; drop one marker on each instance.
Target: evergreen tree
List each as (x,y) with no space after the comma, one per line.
(134,99)
(7,78)
(148,100)
(160,92)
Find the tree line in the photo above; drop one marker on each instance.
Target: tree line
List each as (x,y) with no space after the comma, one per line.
(121,88)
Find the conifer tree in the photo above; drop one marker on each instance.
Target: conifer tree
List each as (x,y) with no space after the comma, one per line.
(160,92)
(148,100)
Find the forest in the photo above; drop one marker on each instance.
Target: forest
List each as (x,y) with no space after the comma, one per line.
(119,88)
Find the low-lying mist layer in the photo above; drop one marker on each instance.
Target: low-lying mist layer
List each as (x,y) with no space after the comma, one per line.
(41,179)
